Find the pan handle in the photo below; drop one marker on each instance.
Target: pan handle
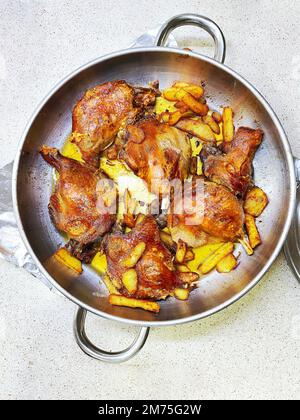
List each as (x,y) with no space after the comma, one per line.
(111,357)
(196,20)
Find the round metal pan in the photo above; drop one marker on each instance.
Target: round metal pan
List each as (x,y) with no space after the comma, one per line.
(51,124)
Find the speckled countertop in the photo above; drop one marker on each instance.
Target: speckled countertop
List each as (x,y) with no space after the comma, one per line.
(250,350)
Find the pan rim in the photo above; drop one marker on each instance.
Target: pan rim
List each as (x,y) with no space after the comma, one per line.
(291,174)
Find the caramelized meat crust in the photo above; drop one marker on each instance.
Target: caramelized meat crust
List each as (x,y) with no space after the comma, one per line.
(102,111)
(213,214)
(156,151)
(155,269)
(233,169)
(76,202)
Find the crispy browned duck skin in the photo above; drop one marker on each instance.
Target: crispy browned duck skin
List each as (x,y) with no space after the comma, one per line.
(102,111)
(156,273)
(233,169)
(156,151)
(219,217)
(74,205)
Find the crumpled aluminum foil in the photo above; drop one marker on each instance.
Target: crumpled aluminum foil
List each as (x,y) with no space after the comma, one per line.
(148,39)
(12,247)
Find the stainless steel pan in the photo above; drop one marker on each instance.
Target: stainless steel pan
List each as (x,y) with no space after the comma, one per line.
(51,124)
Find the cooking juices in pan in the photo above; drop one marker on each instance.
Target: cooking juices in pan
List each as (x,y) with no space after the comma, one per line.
(154,190)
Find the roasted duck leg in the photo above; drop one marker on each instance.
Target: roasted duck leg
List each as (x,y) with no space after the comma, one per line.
(153,266)
(212,214)
(233,169)
(102,111)
(156,151)
(77,205)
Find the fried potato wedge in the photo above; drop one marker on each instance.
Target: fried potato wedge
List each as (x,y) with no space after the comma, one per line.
(171,118)
(217,117)
(164,117)
(65,258)
(245,243)
(227,264)
(109,285)
(196,166)
(199,166)
(135,255)
(130,280)
(177,90)
(173,94)
(180,251)
(139,219)
(252,231)
(189,255)
(196,145)
(195,90)
(163,105)
(99,263)
(71,150)
(201,254)
(188,98)
(147,305)
(208,119)
(219,137)
(168,241)
(197,107)
(228,127)
(255,202)
(183,108)
(175,117)
(181,294)
(210,263)
(198,128)
(182,268)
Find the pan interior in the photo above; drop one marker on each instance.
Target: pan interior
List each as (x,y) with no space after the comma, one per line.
(52,125)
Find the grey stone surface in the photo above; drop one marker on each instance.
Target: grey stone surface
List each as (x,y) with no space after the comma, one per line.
(250,350)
